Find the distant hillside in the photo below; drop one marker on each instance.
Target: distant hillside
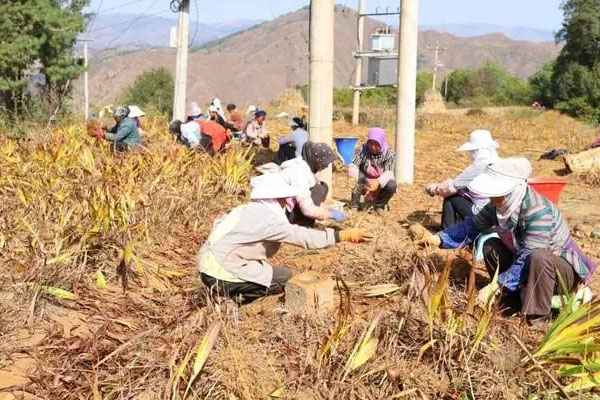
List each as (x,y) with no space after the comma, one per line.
(258,64)
(129,31)
(514,32)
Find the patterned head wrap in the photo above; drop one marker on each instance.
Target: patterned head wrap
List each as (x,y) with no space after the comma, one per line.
(121,112)
(318,156)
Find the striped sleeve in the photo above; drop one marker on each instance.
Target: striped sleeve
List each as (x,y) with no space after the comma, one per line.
(463,179)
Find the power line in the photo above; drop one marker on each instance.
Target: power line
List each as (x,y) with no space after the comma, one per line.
(123,5)
(129,20)
(93,20)
(197,23)
(133,22)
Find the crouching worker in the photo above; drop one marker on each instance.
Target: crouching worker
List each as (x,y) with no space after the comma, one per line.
(459,201)
(233,260)
(534,247)
(373,168)
(124,134)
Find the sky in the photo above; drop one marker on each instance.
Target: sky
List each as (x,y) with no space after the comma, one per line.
(543,14)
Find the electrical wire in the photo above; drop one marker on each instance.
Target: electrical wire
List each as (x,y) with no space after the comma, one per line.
(128,21)
(89,30)
(197,23)
(133,22)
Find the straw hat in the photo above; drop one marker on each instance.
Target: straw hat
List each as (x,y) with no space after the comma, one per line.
(479,139)
(501,177)
(271,186)
(136,112)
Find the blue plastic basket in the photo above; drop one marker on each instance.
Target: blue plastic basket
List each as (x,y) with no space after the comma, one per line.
(345,146)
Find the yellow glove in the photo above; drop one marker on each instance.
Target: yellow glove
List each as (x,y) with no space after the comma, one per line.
(374,186)
(431,240)
(355,235)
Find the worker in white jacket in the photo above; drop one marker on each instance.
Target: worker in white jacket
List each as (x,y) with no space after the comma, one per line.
(233,260)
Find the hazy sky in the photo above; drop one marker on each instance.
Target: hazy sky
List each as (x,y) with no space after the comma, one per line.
(530,13)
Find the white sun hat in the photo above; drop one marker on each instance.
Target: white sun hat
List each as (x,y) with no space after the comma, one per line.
(479,139)
(194,110)
(251,110)
(271,186)
(501,177)
(136,112)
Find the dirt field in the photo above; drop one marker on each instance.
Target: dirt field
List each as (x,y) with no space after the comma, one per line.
(107,344)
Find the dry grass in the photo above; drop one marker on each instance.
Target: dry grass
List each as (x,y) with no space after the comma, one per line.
(69,208)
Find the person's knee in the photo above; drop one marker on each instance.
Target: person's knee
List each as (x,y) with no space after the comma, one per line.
(282,274)
(391,186)
(491,249)
(539,260)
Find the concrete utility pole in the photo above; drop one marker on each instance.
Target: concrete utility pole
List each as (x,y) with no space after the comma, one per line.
(436,63)
(321,77)
(407,82)
(182,61)
(358,69)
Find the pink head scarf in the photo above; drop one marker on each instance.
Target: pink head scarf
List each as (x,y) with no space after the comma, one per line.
(378,135)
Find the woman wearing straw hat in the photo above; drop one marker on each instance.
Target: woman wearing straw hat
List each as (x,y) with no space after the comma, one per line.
(534,245)
(459,201)
(233,260)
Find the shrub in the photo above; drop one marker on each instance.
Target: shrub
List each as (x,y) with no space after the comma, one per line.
(152,88)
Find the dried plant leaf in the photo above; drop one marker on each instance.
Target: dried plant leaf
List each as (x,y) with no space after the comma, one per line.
(202,351)
(59,293)
(100,280)
(379,290)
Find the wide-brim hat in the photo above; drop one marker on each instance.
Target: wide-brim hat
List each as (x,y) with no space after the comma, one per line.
(501,177)
(136,112)
(479,139)
(271,186)
(194,110)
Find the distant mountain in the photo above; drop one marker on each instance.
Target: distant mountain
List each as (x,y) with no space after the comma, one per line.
(131,32)
(516,32)
(258,64)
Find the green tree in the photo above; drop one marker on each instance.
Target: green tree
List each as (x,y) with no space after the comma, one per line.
(541,84)
(43,31)
(154,87)
(457,84)
(424,82)
(575,82)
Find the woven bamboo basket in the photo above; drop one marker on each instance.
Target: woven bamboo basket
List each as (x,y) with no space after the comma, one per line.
(583,162)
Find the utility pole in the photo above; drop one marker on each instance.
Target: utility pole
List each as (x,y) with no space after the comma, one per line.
(182,61)
(407,82)
(358,68)
(436,63)
(321,77)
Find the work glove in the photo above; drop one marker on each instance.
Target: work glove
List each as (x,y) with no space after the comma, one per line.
(430,241)
(355,235)
(483,296)
(374,185)
(338,216)
(431,189)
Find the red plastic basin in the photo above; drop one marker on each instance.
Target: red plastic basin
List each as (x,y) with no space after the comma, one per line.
(549,187)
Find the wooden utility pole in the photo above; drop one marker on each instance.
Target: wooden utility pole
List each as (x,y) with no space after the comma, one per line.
(358,67)
(182,61)
(321,77)
(407,82)
(436,63)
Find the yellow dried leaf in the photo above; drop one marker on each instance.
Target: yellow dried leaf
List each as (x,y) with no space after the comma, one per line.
(59,293)
(100,280)
(202,352)
(366,350)
(277,393)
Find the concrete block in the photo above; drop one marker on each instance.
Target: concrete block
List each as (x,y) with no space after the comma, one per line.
(309,292)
